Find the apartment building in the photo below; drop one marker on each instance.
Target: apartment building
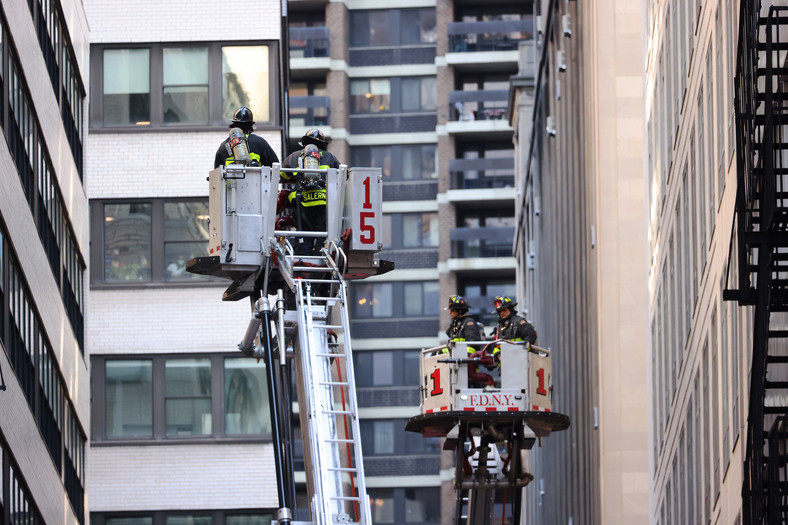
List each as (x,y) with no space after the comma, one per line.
(420,90)
(581,248)
(44,374)
(181,431)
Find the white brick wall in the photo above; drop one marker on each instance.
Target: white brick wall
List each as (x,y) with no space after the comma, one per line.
(155,164)
(165,320)
(182,477)
(181,20)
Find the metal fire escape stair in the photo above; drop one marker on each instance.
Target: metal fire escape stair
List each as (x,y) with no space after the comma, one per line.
(762,252)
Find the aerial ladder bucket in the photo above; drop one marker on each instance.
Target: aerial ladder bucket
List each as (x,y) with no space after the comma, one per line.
(309,327)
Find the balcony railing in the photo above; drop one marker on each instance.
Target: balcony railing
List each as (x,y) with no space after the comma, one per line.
(498,35)
(491,241)
(312,110)
(478,105)
(482,173)
(309,42)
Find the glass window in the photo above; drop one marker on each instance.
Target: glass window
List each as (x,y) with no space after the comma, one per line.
(423,505)
(188,397)
(185,237)
(370,96)
(373,300)
(128,520)
(185,95)
(246,80)
(418,94)
(420,230)
(419,162)
(127,242)
(421,298)
(189,520)
(245,397)
(249,519)
(126,95)
(144,241)
(417,26)
(381,502)
(129,398)
(410,366)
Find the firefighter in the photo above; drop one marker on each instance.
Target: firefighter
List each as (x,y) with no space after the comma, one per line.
(326,159)
(511,327)
(309,198)
(260,151)
(462,327)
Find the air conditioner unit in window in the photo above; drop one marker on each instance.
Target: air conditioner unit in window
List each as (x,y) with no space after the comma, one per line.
(550,126)
(566,24)
(560,58)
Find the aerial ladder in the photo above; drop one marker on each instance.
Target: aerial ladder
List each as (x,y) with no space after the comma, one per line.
(300,319)
(491,413)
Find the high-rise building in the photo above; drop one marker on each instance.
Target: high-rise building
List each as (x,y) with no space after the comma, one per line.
(44,373)
(181,431)
(419,89)
(581,248)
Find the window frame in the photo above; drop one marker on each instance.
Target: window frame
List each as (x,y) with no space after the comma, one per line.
(159,434)
(394,96)
(216,120)
(157,242)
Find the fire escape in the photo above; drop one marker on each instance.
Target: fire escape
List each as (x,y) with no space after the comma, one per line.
(761,252)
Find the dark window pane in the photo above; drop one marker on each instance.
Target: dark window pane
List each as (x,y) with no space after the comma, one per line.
(126,87)
(142,520)
(189,520)
(379,28)
(127,242)
(381,502)
(249,519)
(245,397)
(422,505)
(129,401)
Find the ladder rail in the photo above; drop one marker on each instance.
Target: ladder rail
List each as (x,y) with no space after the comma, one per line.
(325,416)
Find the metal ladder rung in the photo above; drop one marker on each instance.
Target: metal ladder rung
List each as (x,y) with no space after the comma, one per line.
(329,326)
(342,469)
(340,440)
(345,412)
(331,355)
(333,383)
(346,498)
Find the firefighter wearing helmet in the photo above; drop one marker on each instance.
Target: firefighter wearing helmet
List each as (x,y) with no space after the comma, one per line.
(326,160)
(462,327)
(260,151)
(511,326)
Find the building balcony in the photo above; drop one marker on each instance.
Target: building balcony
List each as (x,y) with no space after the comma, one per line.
(309,50)
(487,45)
(474,174)
(481,113)
(309,111)
(490,242)
(484,253)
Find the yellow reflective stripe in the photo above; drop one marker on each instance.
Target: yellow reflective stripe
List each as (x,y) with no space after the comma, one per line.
(255,156)
(310,198)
